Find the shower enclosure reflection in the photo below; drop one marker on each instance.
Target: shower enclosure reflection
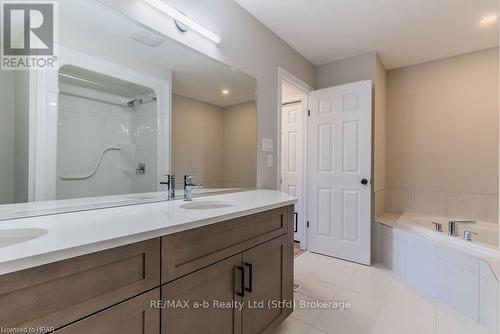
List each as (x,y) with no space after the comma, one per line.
(107,136)
(119,115)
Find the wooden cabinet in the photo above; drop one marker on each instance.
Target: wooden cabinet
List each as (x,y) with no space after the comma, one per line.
(187,251)
(134,316)
(268,280)
(59,293)
(242,294)
(214,288)
(216,279)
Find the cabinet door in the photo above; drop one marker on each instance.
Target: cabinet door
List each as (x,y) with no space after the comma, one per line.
(135,316)
(219,283)
(59,293)
(268,278)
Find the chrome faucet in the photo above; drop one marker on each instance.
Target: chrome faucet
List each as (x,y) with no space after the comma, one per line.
(452,226)
(170,186)
(188,187)
(468,235)
(438,227)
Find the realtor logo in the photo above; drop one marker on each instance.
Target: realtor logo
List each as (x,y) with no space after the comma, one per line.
(29,37)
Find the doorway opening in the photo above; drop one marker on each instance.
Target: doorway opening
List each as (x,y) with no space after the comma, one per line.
(292,149)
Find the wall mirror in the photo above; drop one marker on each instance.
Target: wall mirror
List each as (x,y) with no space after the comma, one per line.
(126,107)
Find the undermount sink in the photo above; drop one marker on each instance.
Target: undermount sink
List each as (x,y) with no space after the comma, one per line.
(207,205)
(16,236)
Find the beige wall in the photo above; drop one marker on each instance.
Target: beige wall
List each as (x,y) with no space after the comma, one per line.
(379,126)
(7,136)
(365,67)
(380,138)
(240,145)
(197,137)
(246,44)
(442,136)
(362,67)
(217,145)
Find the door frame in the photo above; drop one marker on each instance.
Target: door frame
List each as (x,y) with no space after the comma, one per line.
(289,78)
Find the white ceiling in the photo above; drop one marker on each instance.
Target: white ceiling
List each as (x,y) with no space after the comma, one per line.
(97,31)
(403,32)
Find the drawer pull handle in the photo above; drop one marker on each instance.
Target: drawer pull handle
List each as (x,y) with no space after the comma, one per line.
(250,277)
(241,293)
(296,225)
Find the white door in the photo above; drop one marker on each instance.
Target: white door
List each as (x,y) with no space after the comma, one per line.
(339,171)
(291,159)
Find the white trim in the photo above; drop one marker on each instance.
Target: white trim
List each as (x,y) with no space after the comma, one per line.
(44,163)
(32,130)
(47,88)
(293,99)
(285,76)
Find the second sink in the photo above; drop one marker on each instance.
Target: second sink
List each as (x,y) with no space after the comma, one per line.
(16,236)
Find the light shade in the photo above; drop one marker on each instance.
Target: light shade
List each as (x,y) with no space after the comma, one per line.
(176,15)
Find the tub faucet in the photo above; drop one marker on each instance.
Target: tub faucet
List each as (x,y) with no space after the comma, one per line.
(438,227)
(468,235)
(452,226)
(188,188)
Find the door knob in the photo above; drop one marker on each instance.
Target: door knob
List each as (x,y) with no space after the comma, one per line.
(364,182)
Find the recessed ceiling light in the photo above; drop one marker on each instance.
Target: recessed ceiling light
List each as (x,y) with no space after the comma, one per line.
(489,19)
(225,91)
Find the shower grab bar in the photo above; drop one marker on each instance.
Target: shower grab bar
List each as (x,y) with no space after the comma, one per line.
(92,173)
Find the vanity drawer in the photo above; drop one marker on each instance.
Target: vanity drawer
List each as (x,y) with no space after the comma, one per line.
(59,293)
(135,316)
(186,252)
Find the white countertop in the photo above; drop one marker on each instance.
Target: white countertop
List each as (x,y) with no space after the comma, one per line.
(35,209)
(78,233)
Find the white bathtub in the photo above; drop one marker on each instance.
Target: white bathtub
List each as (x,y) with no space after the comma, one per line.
(484,243)
(462,274)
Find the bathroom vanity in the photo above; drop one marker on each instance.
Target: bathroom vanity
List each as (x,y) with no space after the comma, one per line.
(228,269)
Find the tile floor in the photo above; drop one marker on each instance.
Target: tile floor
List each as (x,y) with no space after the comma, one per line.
(296,249)
(380,302)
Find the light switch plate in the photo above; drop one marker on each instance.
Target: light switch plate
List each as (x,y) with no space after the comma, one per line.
(267,145)
(270,160)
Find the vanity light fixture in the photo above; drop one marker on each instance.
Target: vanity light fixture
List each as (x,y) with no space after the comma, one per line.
(225,92)
(181,18)
(489,19)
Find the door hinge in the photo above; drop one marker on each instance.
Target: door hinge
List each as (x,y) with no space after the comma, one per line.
(307,224)
(308,112)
